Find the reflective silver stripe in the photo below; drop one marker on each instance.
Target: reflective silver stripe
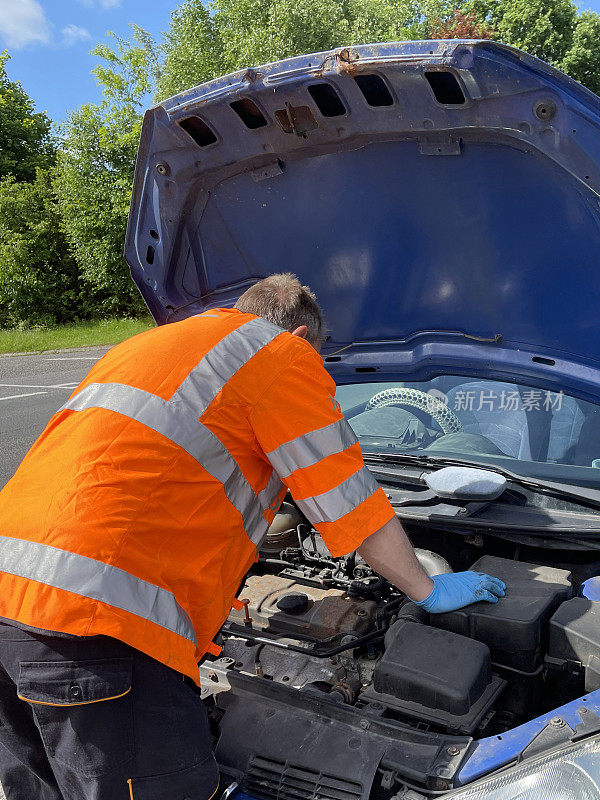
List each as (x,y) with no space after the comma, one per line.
(177,418)
(331,506)
(265,499)
(304,451)
(146,408)
(269,494)
(219,365)
(93,579)
(181,429)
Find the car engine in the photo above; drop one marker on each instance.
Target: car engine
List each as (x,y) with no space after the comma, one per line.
(332,683)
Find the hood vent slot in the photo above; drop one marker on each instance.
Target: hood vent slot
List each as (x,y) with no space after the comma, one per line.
(198,130)
(327,99)
(249,113)
(275,780)
(446,88)
(374,90)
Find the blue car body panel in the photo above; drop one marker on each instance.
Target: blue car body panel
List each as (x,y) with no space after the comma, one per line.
(494,752)
(435,234)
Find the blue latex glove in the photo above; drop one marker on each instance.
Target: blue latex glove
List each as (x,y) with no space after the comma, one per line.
(457,589)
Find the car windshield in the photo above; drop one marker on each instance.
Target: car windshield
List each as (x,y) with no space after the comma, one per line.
(527,430)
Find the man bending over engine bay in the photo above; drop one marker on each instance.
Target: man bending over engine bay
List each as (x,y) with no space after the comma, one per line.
(129,525)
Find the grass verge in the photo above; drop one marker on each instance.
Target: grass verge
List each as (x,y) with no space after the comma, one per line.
(74,334)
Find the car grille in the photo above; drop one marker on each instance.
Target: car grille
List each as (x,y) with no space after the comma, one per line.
(276,780)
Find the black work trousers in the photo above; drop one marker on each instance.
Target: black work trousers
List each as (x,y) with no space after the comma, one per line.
(93,719)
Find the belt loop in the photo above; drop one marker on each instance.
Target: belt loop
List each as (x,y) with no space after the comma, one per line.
(214,649)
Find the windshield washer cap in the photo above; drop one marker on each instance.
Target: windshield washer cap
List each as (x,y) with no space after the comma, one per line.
(465,483)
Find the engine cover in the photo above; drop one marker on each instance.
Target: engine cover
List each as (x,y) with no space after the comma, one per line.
(575,639)
(435,675)
(515,627)
(283,605)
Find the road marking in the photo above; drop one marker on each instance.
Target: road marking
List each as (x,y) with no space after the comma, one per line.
(74,358)
(15,396)
(38,386)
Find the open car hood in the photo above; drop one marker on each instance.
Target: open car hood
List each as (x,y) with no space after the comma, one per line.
(441,198)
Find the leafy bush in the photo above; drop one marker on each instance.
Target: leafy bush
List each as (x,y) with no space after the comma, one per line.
(93,181)
(39,279)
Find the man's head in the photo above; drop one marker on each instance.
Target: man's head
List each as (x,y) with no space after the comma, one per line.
(283,300)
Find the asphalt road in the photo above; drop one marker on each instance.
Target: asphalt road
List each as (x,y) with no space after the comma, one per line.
(32,388)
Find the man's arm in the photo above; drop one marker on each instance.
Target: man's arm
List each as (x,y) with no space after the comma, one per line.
(389,552)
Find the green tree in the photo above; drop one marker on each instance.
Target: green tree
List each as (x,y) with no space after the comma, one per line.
(38,277)
(95,168)
(552,30)
(282,26)
(205,41)
(386,21)
(25,140)
(191,50)
(582,60)
(542,28)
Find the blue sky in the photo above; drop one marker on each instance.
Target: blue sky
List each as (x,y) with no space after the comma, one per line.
(50,41)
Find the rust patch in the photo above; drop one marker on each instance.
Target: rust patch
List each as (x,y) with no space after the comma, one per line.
(296,119)
(251,75)
(347,61)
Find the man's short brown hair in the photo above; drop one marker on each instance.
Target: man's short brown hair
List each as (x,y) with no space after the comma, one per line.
(283,300)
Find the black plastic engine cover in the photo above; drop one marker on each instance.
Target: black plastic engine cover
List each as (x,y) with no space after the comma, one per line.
(575,639)
(515,627)
(435,676)
(435,668)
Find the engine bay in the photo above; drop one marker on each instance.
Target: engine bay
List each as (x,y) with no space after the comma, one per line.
(321,639)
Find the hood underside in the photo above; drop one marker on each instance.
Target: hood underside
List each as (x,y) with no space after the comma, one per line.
(441,198)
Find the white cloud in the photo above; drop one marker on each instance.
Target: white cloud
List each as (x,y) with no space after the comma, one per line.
(100,3)
(73,34)
(23,22)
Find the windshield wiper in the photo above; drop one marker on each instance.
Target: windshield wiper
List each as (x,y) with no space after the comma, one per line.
(580,495)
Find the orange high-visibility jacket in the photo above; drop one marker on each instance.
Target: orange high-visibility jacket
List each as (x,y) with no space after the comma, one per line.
(140,507)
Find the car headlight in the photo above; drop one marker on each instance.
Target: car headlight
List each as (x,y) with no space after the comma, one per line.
(570,774)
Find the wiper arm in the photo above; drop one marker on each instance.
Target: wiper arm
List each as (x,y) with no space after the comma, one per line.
(582,495)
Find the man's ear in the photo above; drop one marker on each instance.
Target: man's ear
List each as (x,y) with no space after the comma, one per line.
(301,331)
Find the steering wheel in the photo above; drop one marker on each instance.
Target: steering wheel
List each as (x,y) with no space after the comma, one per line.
(444,416)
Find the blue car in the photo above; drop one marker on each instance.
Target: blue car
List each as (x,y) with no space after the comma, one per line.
(442,198)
